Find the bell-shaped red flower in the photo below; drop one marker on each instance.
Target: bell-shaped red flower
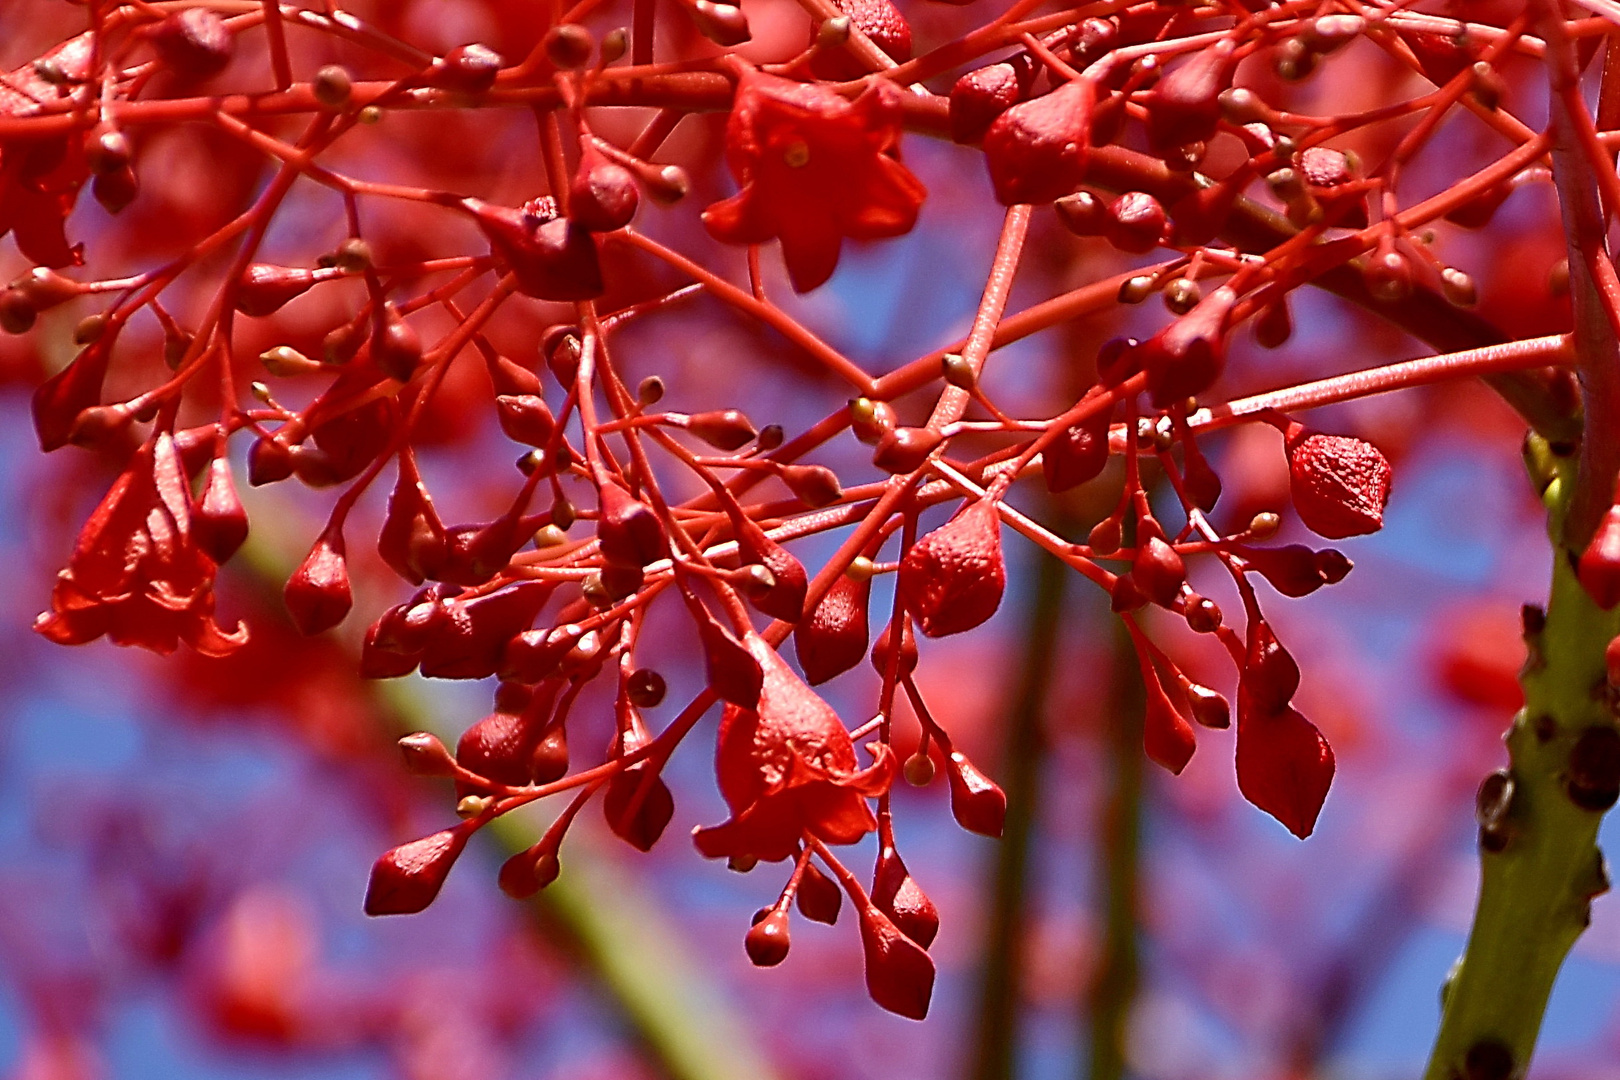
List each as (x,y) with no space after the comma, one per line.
(953,578)
(788,768)
(814,168)
(1037,150)
(1284,766)
(137,573)
(1340,485)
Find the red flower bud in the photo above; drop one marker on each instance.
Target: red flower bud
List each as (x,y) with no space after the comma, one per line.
(814,485)
(984,94)
(60,399)
(604,195)
(264,288)
(317,594)
(193,43)
(425,755)
(1037,150)
(1270,676)
(903,450)
(549,762)
(469,69)
(908,650)
(724,429)
(1599,568)
(1209,708)
(819,896)
(732,671)
(1079,453)
(1166,735)
(499,746)
(218,522)
(553,258)
(871,420)
(784,598)
(833,639)
(525,418)
(406,879)
(1136,222)
(1284,766)
(1340,485)
(1295,570)
(1185,105)
(628,530)
(880,21)
(527,872)
(639,825)
(767,940)
(953,578)
(977,802)
(1158,571)
(899,973)
(397,347)
(896,893)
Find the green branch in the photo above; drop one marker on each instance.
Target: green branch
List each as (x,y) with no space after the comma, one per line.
(1538,823)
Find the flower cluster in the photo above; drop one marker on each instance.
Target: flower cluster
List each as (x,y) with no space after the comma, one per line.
(621,503)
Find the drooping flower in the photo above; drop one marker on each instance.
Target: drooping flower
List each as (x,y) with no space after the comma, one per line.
(40,180)
(137,573)
(814,168)
(788,768)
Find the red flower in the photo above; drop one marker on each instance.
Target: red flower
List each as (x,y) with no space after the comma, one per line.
(40,180)
(787,769)
(137,573)
(814,168)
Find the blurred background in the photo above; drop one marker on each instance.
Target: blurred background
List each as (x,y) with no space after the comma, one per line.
(184,843)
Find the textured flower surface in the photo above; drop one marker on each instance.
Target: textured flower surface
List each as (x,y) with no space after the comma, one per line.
(787,769)
(136,574)
(40,179)
(814,168)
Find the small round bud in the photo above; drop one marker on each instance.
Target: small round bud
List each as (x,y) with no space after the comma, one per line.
(17,315)
(284,361)
(370,115)
(1136,289)
(1181,295)
(569,46)
(770,437)
(470,806)
(651,390)
(353,256)
(1203,614)
(1458,287)
(425,755)
(1264,525)
(919,769)
(871,420)
(332,86)
(562,513)
(646,688)
(832,32)
(767,940)
(860,569)
(550,536)
(596,592)
(958,372)
(90,329)
(614,44)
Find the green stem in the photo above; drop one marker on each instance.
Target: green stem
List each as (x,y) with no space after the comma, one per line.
(1536,890)
(1000,982)
(1120,833)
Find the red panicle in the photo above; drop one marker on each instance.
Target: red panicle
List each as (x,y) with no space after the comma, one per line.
(788,768)
(814,168)
(953,578)
(1340,485)
(137,573)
